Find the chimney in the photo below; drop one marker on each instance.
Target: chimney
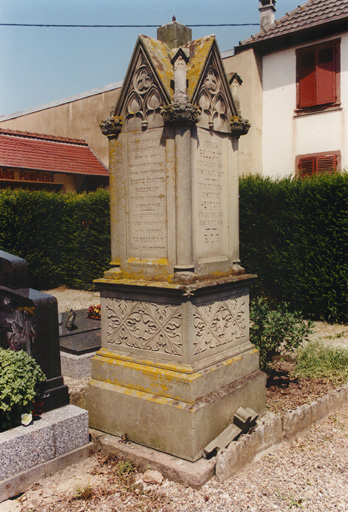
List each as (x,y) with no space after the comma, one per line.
(174,34)
(267,13)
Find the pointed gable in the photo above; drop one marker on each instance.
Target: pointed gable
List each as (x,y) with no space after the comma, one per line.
(149,85)
(208,86)
(146,87)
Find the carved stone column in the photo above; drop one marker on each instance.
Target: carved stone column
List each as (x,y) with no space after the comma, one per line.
(111,128)
(183,117)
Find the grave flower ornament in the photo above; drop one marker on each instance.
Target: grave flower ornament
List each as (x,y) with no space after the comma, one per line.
(94,312)
(26,419)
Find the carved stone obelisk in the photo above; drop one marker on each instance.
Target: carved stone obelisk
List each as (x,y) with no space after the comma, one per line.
(176,361)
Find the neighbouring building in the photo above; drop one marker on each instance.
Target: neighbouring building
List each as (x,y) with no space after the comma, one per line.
(37,162)
(296,95)
(76,117)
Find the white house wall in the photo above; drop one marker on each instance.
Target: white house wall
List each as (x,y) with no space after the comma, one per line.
(285,134)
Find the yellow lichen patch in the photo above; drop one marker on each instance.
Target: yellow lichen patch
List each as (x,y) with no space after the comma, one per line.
(110,355)
(150,397)
(199,53)
(159,54)
(148,261)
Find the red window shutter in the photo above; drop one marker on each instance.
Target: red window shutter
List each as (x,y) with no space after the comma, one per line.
(307,166)
(326,164)
(306,75)
(326,75)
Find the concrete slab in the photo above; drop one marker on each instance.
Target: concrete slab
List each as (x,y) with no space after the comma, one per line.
(194,474)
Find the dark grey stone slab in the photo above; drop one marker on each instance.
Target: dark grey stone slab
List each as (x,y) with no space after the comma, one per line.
(84,337)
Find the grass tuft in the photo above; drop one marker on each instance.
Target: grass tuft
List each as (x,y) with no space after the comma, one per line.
(318,361)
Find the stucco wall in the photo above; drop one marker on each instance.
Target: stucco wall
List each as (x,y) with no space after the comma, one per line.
(248,67)
(286,134)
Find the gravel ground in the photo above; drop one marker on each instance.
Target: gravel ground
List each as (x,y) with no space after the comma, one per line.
(309,473)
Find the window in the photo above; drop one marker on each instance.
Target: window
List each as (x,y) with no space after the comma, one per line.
(319,163)
(318,74)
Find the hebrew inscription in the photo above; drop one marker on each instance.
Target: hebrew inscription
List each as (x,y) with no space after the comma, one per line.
(144,326)
(211,202)
(219,323)
(147,196)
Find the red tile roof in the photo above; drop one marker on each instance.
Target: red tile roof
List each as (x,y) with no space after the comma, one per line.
(21,150)
(311,14)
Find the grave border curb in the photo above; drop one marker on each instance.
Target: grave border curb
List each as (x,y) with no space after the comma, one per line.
(273,429)
(21,482)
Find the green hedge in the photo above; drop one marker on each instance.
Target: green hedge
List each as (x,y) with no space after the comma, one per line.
(64,237)
(294,235)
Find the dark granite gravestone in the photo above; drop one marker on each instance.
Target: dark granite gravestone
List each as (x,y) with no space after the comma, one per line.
(29,321)
(83,338)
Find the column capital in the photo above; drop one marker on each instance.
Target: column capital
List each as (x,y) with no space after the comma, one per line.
(239,126)
(180,114)
(111,127)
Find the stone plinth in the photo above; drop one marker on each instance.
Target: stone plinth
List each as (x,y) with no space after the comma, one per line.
(175,364)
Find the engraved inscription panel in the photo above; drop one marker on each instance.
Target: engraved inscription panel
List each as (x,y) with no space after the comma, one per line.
(144,325)
(147,195)
(219,323)
(211,202)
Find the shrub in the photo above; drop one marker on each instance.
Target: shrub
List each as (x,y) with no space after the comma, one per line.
(276,330)
(20,379)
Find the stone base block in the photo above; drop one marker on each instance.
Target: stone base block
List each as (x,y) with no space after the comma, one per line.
(77,367)
(173,426)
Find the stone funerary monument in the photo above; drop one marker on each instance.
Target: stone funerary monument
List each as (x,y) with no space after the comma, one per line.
(176,361)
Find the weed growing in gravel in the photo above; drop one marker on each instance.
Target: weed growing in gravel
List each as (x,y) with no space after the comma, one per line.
(124,468)
(84,494)
(317,361)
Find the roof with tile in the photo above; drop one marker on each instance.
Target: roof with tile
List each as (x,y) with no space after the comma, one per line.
(310,15)
(31,151)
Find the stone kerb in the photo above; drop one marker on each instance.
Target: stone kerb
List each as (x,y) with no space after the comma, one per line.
(272,429)
(24,451)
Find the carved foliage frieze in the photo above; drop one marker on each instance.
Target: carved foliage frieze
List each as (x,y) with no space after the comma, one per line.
(219,323)
(144,325)
(144,96)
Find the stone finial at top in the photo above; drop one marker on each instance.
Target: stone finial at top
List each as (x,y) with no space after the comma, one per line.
(174,34)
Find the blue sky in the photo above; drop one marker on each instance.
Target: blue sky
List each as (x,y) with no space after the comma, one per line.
(40,65)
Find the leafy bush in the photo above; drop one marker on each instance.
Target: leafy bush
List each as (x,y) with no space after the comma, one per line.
(20,379)
(276,331)
(319,361)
